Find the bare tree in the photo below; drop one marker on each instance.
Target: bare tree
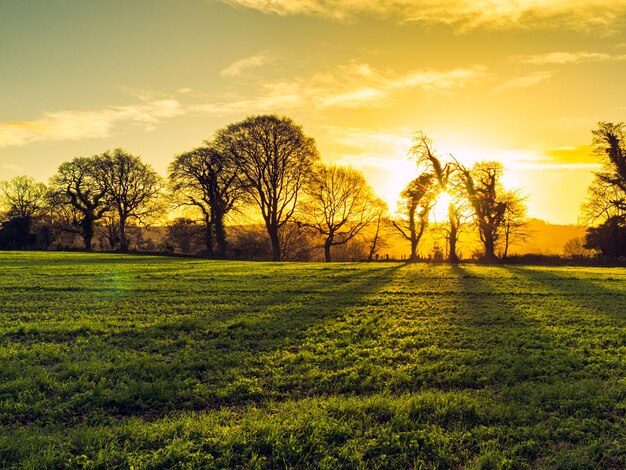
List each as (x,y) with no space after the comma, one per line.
(133,189)
(414,210)
(22,197)
(423,152)
(207,179)
(80,184)
(379,224)
(575,248)
(183,233)
(458,218)
(482,185)
(339,204)
(274,158)
(296,242)
(515,226)
(498,214)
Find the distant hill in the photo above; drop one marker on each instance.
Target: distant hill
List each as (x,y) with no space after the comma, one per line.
(545,238)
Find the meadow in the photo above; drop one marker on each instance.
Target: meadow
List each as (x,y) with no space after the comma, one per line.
(111,361)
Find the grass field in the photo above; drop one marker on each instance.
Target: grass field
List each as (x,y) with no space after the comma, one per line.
(110,361)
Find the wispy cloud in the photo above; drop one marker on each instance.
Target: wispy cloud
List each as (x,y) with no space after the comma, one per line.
(77,125)
(463,14)
(349,86)
(359,84)
(558,58)
(525,81)
(236,68)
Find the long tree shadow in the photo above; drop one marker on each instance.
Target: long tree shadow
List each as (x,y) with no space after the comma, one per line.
(539,375)
(587,312)
(512,344)
(246,349)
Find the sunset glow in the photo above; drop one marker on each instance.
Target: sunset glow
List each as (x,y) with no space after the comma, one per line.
(440,209)
(519,82)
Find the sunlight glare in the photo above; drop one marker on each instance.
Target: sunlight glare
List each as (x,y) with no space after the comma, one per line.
(440,210)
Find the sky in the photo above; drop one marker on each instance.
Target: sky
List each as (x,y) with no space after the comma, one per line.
(523,82)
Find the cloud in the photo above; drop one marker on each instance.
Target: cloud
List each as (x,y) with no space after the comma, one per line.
(557,58)
(461,14)
(559,158)
(581,154)
(76,125)
(525,81)
(348,86)
(359,84)
(236,68)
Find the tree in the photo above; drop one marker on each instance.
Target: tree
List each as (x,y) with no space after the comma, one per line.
(207,179)
(414,210)
(483,190)
(183,233)
(275,160)
(575,248)
(133,189)
(515,226)
(375,241)
(81,185)
(458,215)
(609,238)
(22,197)
(339,204)
(426,159)
(607,193)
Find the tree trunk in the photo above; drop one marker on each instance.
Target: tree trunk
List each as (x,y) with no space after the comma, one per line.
(220,236)
(87,227)
(275,240)
(452,257)
(374,241)
(327,245)
(413,257)
(123,240)
(414,236)
(490,255)
(208,239)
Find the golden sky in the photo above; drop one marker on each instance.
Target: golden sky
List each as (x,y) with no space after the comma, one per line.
(523,82)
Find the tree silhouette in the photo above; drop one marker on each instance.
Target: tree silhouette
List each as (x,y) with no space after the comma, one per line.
(483,190)
(208,180)
(274,159)
(443,172)
(80,184)
(183,233)
(416,203)
(515,225)
(133,189)
(338,205)
(22,197)
(607,193)
(609,238)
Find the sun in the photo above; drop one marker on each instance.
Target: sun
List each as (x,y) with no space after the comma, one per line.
(439,212)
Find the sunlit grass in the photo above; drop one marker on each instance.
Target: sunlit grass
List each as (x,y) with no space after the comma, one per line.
(118,361)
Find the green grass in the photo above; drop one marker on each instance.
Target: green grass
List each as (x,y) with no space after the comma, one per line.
(110,361)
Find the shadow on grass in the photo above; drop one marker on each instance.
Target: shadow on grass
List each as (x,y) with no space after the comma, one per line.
(226,355)
(513,346)
(548,386)
(583,290)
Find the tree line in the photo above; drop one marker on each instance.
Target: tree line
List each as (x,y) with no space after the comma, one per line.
(267,169)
